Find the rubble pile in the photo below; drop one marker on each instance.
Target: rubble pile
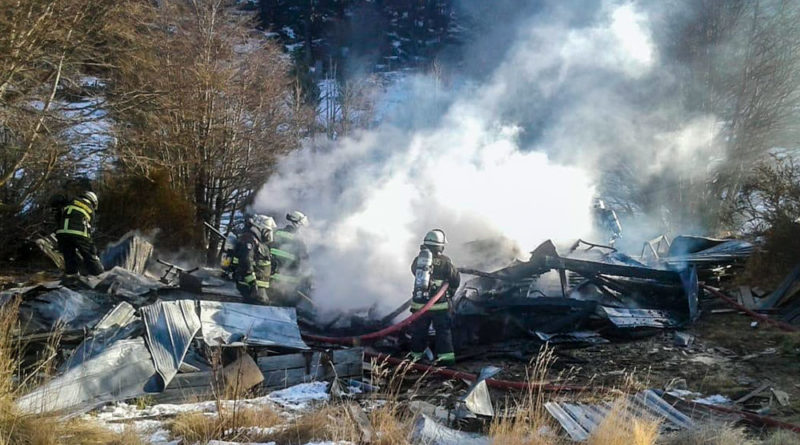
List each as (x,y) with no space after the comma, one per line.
(172,335)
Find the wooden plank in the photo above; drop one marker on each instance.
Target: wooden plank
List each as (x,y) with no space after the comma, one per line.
(192,379)
(292,361)
(289,377)
(279,371)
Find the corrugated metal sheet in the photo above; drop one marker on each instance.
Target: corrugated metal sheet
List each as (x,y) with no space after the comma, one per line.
(429,432)
(131,252)
(170,327)
(123,370)
(580,420)
(120,315)
(235,324)
(637,318)
(119,323)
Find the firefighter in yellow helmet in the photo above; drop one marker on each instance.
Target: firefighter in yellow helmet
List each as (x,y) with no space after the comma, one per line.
(431,269)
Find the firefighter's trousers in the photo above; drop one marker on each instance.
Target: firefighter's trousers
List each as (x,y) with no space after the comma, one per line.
(79,251)
(444,336)
(253,294)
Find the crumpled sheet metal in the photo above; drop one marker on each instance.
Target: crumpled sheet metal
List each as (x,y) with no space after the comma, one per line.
(580,420)
(583,337)
(479,401)
(62,306)
(124,370)
(723,252)
(131,252)
(237,324)
(119,323)
(119,281)
(429,432)
(640,318)
(170,327)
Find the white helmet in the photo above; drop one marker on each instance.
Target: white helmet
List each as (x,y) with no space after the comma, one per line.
(435,239)
(265,225)
(91,197)
(297,218)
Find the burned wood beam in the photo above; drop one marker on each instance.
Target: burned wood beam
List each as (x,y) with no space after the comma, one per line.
(479,273)
(591,268)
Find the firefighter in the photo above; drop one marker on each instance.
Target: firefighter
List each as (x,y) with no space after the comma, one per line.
(252,260)
(431,269)
(290,256)
(607,221)
(74,234)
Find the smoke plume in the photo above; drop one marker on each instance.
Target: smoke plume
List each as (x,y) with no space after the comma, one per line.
(515,154)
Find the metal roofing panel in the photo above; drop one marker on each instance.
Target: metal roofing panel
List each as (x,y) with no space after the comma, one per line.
(635,318)
(123,370)
(170,326)
(235,324)
(119,323)
(580,420)
(430,432)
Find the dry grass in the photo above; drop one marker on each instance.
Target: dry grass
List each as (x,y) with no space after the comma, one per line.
(618,428)
(710,434)
(782,437)
(525,421)
(226,424)
(17,428)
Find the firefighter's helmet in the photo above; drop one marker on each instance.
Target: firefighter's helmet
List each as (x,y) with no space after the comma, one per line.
(264,225)
(297,218)
(91,198)
(435,240)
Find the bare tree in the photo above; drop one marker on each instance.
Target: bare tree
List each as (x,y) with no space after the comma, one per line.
(45,48)
(206,99)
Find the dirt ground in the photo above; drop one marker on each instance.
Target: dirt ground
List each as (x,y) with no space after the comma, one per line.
(728,357)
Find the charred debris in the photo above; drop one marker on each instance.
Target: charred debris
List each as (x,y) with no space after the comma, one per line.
(148,327)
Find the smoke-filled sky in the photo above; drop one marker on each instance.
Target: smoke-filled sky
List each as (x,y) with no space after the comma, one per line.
(512,150)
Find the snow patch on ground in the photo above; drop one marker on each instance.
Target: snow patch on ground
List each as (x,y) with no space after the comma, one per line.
(298,397)
(716,399)
(287,402)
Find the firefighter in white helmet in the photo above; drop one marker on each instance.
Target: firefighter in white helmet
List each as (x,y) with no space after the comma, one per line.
(431,269)
(252,260)
(290,261)
(74,235)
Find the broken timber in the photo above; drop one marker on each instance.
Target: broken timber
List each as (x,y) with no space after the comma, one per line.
(592,268)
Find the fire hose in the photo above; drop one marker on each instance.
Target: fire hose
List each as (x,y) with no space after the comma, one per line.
(752,417)
(357,340)
(459,375)
(528,386)
(778,324)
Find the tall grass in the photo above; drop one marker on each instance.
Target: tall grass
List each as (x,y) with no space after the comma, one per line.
(18,428)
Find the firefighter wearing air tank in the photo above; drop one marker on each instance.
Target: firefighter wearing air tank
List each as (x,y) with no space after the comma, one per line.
(252,261)
(431,269)
(290,261)
(74,235)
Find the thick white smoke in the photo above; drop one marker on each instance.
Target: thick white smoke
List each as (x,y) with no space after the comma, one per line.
(467,168)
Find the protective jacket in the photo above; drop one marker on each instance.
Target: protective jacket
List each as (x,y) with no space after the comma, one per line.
(288,252)
(76,219)
(443,272)
(253,261)
(288,249)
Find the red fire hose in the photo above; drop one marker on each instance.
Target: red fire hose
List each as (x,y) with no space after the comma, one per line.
(752,417)
(778,324)
(383,332)
(458,375)
(525,386)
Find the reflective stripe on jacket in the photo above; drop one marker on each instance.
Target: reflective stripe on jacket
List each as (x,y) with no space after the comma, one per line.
(76,219)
